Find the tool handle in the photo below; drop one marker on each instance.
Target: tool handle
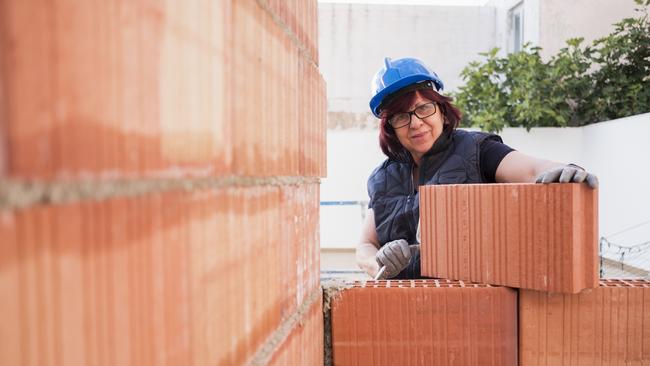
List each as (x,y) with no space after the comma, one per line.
(380,273)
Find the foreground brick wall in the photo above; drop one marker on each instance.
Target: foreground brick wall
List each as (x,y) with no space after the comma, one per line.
(608,325)
(532,236)
(159,187)
(424,322)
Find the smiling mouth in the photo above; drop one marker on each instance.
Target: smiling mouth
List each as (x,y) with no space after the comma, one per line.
(419,135)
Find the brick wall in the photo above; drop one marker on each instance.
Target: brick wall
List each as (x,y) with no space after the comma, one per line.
(159,186)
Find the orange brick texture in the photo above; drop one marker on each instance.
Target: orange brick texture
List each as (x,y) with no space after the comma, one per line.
(304,346)
(532,236)
(424,322)
(139,94)
(142,88)
(608,325)
(181,278)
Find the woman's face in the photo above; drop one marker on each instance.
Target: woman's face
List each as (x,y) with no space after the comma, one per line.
(419,136)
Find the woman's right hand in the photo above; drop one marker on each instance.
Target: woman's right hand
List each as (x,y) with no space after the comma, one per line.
(395,255)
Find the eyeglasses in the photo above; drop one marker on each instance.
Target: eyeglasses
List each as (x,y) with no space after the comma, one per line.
(403,119)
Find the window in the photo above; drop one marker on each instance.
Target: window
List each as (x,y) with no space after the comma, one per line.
(516,27)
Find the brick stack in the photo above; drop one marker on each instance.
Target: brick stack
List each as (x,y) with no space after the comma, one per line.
(159,188)
(538,240)
(542,240)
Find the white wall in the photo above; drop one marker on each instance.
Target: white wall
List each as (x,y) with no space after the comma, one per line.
(351,157)
(591,19)
(620,154)
(617,151)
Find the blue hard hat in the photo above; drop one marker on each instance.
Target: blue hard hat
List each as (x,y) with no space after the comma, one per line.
(397,74)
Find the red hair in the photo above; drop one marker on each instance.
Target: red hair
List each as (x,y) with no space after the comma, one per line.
(388,140)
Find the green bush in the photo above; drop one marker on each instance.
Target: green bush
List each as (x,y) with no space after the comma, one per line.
(579,85)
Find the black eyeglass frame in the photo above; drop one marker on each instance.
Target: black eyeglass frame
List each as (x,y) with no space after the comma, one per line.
(411,113)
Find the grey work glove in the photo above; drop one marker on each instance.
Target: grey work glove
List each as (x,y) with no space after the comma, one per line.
(566,174)
(395,255)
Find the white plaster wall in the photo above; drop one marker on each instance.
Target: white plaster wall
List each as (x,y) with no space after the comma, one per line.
(351,156)
(557,144)
(354,39)
(591,19)
(617,151)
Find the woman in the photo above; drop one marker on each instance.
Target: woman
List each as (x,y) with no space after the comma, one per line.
(418,134)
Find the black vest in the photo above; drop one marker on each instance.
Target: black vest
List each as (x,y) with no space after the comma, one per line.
(393,197)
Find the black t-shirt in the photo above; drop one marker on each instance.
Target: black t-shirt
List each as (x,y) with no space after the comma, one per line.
(492,152)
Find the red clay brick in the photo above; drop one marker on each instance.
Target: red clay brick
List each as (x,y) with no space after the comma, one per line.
(10,333)
(135,88)
(180,277)
(313,132)
(608,325)
(279,110)
(532,236)
(424,322)
(304,346)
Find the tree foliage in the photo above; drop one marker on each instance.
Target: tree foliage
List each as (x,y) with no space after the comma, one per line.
(579,85)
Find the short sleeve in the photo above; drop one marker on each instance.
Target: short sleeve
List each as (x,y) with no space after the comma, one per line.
(492,153)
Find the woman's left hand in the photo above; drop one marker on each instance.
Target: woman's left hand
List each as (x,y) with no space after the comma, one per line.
(566,174)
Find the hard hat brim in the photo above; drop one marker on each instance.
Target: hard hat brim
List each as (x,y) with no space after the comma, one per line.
(378,100)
